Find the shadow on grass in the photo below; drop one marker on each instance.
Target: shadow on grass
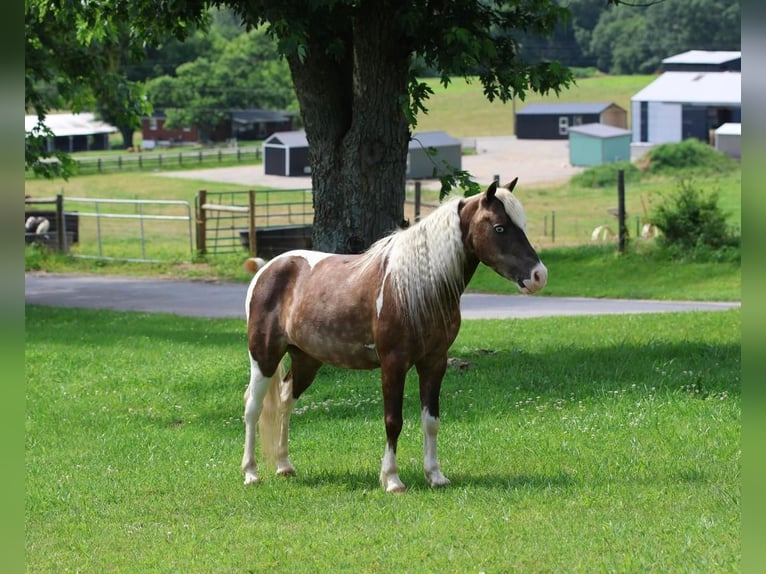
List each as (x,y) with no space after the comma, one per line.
(366,479)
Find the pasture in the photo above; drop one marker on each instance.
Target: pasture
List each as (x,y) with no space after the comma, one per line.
(581,444)
(463,111)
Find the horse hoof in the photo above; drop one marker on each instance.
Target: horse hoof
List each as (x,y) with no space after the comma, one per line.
(286,472)
(392,483)
(437,480)
(251,479)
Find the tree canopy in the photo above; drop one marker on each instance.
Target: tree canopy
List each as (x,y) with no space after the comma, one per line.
(247,72)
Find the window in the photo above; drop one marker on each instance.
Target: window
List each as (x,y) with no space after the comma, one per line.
(153,124)
(644,136)
(563,125)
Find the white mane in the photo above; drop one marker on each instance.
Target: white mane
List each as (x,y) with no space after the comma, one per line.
(424,264)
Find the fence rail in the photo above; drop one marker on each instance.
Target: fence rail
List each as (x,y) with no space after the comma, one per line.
(128,228)
(230,221)
(167,159)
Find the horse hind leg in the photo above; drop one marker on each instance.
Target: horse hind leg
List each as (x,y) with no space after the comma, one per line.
(274,422)
(303,370)
(254,397)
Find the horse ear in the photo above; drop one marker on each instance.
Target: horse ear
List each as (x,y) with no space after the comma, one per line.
(510,186)
(490,193)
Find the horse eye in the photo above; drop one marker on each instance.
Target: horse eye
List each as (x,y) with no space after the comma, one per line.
(499,229)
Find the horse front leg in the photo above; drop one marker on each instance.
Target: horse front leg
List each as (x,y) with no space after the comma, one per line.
(393,395)
(430,373)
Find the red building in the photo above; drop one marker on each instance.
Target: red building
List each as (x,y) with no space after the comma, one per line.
(252,124)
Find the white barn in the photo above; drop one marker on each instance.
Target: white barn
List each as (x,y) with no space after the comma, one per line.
(680,105)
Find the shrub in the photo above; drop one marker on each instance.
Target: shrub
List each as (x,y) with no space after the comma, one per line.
(689,154)
(606,175)
(691,219)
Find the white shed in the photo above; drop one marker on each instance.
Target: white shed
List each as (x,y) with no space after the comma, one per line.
(727,139)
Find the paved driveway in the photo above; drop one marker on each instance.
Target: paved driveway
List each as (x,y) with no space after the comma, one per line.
(227,300)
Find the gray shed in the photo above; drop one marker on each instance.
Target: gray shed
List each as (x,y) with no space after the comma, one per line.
(598,144)
(430,150)
(286,153)
(728,139)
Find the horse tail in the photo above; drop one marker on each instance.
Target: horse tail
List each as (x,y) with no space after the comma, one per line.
(274,412)
(253,264)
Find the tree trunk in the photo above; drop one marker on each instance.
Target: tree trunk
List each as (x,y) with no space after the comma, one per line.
(127,136)
(353,112)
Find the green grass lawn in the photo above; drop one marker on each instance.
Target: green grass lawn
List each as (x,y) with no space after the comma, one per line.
(579,444)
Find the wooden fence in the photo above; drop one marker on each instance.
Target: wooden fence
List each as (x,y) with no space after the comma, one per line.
(167,159)
(264,223)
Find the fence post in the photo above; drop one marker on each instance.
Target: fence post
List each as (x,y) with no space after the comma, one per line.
(251,221)
(201,200)
(553,227)
(417,201)
(622,231)
(60,223)
(140,162)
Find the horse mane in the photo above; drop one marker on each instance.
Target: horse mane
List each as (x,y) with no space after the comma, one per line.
(424,265)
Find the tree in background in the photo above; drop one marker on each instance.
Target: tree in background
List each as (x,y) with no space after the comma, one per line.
(75,54)
(248,72)
(636,41)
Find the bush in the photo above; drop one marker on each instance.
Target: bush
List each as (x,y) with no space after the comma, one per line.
(606,175)
(692,220)
(689,154)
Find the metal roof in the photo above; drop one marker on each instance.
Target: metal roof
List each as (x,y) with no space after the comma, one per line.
(432,139)
(694,88)
(84,124)
(258,115)
(703,57)
(600,130)
(566,108)
(730,129)
(291,139)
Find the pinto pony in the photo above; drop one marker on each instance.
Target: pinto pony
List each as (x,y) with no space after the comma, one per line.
(395,306)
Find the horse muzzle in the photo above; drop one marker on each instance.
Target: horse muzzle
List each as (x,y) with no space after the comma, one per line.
(538,277)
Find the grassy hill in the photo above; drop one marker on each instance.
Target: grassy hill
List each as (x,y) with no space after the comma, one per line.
(462,110)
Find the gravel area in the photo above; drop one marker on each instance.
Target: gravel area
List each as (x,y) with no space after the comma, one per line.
(534,162)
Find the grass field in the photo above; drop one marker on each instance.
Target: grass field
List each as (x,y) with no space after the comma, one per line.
(582,444)
(463,111)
